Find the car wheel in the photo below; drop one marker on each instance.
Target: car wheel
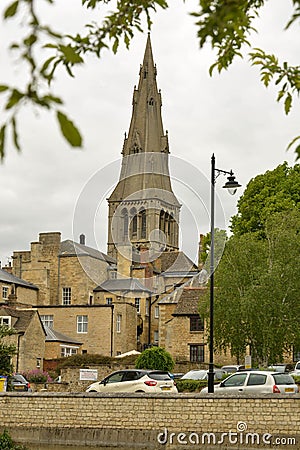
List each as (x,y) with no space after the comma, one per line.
(140,392)
(92,391)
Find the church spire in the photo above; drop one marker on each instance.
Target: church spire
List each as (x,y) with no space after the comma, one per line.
(146,132)
(143,210)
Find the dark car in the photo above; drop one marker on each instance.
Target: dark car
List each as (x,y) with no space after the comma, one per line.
(18,382)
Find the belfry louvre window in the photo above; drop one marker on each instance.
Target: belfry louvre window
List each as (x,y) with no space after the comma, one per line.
(66,296)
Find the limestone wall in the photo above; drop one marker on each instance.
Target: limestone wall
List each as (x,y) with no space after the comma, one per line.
(152,421)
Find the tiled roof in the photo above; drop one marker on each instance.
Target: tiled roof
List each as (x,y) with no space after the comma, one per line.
(56,336)
(23,316)
(188,302)
(7,277)
(71,248)
(177,262)
(122,284)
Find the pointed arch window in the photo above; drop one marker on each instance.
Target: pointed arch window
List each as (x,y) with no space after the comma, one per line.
(134,223)
(125,222)
(143,224)
(162,220)
(151,101)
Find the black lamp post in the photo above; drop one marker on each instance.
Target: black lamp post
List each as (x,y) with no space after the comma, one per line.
(232,186)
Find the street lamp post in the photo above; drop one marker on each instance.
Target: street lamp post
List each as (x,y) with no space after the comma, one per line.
(232,186)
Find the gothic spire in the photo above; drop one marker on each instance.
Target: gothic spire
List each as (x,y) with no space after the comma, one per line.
(146,132)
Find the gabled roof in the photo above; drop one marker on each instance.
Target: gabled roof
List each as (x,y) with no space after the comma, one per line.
(71,248)
(56,336)
(176,262)
(188,302)
(23,316)
(7,277)
(122,284)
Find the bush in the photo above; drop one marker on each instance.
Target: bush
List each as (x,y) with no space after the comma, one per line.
(156,358)
(37,376)
(190,385)
(84,360)
(6,442)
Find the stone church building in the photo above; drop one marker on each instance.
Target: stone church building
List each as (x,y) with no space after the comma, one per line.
(144,290)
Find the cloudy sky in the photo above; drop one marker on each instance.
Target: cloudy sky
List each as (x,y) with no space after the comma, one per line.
(52,187)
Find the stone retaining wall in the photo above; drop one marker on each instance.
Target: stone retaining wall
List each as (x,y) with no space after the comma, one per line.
(152,421)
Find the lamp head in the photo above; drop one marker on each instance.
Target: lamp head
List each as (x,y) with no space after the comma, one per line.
(231,184)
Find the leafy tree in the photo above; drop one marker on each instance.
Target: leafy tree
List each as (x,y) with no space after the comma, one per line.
(257,291)
(6,442)
(156,358)
(226,25)
(6,350)
(274,191)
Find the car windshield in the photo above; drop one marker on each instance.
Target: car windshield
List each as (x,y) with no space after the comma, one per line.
(283,378)
(159,376)
(195,375)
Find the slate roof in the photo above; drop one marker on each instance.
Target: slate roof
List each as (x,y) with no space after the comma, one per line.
(23,316)
(56,336)
(7,277)
(122,284)
(71,248)
(188,302)
(176,262)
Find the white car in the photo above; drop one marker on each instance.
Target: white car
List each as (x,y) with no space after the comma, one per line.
(256,382)
(296,371)
(135,380)
(198,374)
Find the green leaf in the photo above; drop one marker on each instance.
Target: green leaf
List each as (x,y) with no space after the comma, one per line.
(115,46)
(288,103)
(70,54)
(3,87)
(292,142)
(14,98)
(2,141)
(69,130)
(11,10)
(15,134)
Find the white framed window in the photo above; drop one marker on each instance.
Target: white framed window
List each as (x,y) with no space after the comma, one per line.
(156,336)
(119,321)
(109,300)
(66,296)
(66,351)
(5,320)
(5,291)
(38,363)
(47,320)
(82,324)
(137,303)
(156,312)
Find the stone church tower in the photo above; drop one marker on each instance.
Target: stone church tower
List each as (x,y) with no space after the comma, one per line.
(143,210)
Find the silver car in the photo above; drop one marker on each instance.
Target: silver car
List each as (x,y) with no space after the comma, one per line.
(256,382)
(135,380)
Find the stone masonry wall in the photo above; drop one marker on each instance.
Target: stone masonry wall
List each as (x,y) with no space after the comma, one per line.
(152,421)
